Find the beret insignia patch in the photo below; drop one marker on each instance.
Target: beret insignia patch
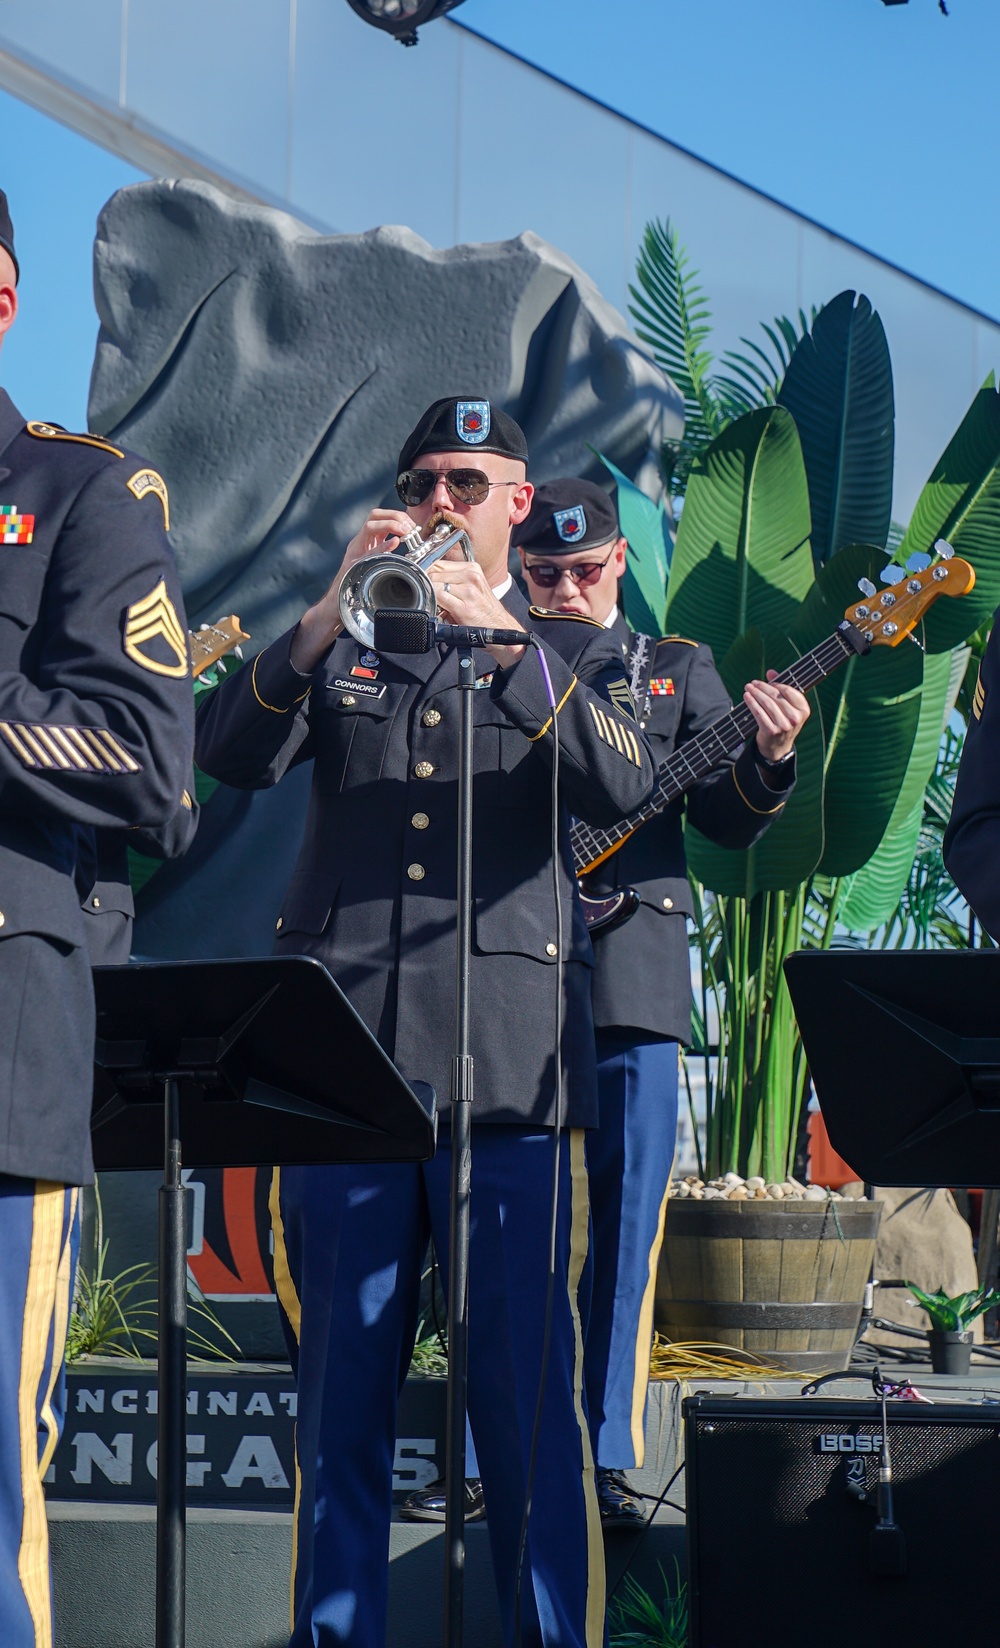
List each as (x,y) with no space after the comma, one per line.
(147,480)
(14,527)
(153,637)
(472,422)
(620,694)
(571,524)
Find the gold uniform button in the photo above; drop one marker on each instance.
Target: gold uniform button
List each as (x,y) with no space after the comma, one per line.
(96,903)
(668,903)
(431,718)
(348,698)
(423,769)
(550,949)
(3,918)
(420,821)
(279,924)
(416,872)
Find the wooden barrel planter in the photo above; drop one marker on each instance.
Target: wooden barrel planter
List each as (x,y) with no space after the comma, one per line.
(784,1280)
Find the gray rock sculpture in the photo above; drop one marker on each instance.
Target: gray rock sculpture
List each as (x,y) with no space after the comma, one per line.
(272,374)
(924,1239)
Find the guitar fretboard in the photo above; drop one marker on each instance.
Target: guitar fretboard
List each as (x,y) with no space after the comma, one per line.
(703,752)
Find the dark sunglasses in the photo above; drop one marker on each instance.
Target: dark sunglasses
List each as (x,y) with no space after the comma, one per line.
(585,572)
(466,486)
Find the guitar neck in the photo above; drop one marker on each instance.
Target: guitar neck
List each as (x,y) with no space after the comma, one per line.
(705,751)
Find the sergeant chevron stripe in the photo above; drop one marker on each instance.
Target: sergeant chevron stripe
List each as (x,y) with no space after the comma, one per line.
(979,697)
(151,619)
(43,746)
(620,738)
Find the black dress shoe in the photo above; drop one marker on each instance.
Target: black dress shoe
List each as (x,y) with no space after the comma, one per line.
(616,1498)
(428,1504)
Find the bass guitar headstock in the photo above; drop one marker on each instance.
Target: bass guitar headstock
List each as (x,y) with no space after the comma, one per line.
(213,641)
(889,615)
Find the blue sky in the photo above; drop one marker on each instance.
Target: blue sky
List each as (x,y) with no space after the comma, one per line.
(879,122)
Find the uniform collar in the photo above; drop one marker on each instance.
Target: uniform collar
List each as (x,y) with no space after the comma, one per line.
(620,629)
(11,423)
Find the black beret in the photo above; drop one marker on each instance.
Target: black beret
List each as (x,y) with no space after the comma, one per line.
(463,426)
(568,515)
(7,235)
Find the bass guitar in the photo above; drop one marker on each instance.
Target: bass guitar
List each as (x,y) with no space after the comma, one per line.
(883,618)
(212,641)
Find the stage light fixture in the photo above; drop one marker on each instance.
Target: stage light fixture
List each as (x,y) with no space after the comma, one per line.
(401,18)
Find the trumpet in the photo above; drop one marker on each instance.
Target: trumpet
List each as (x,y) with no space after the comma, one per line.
(397,581)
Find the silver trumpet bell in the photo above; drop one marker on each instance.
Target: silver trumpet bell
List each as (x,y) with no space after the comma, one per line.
(396,582)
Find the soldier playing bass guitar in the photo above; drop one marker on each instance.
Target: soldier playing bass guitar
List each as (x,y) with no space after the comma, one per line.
(574,557)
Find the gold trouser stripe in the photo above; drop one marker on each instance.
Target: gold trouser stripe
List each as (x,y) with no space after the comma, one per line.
(762,812)
(644,1333)
(283,1284)
(578,1242)
(43,1272)
(60,1326)
(543,730)
(289,1300)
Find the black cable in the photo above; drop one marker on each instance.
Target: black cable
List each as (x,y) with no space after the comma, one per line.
(556,1157)
(647,1524)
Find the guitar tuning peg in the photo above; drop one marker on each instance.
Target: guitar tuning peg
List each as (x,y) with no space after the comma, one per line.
(866,587)
(918,562)
(944,549)
(892,574)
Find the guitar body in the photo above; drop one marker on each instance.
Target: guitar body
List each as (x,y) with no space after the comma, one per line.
(608,910)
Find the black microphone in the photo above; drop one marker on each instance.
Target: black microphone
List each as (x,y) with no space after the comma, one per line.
(403,631)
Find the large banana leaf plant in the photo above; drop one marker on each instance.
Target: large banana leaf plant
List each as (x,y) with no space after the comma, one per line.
(786,506)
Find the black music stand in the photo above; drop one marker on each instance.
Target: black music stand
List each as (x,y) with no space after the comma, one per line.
(904,1053)
(234,1064)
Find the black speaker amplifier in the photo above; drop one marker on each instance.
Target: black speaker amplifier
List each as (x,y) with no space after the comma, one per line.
(781,1504)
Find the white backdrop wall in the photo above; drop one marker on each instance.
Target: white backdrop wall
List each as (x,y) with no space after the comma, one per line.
(298,104)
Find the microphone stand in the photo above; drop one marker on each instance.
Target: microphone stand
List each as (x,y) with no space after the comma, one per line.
(461,1180)
(414,631)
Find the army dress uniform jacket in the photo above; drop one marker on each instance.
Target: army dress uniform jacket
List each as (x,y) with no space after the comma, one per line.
(95,731)
(642,976)
(972,839)
(373,893)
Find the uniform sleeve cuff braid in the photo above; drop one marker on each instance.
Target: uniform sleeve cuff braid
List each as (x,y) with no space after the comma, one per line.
(275,677)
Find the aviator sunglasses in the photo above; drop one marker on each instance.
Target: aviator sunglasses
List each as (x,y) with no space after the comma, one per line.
(466,486)
(585,572)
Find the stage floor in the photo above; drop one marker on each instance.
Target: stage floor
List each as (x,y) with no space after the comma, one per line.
(238,1560)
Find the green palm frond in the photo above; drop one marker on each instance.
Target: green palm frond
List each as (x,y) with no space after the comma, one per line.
(673,317)
(754,379)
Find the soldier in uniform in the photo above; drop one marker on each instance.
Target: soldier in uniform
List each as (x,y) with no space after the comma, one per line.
(95,731)
(574,558)
(373,896)
(972,839)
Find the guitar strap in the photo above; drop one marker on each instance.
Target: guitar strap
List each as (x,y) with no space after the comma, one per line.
(639,664)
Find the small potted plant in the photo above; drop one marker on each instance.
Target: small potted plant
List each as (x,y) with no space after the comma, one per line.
(951,1318)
